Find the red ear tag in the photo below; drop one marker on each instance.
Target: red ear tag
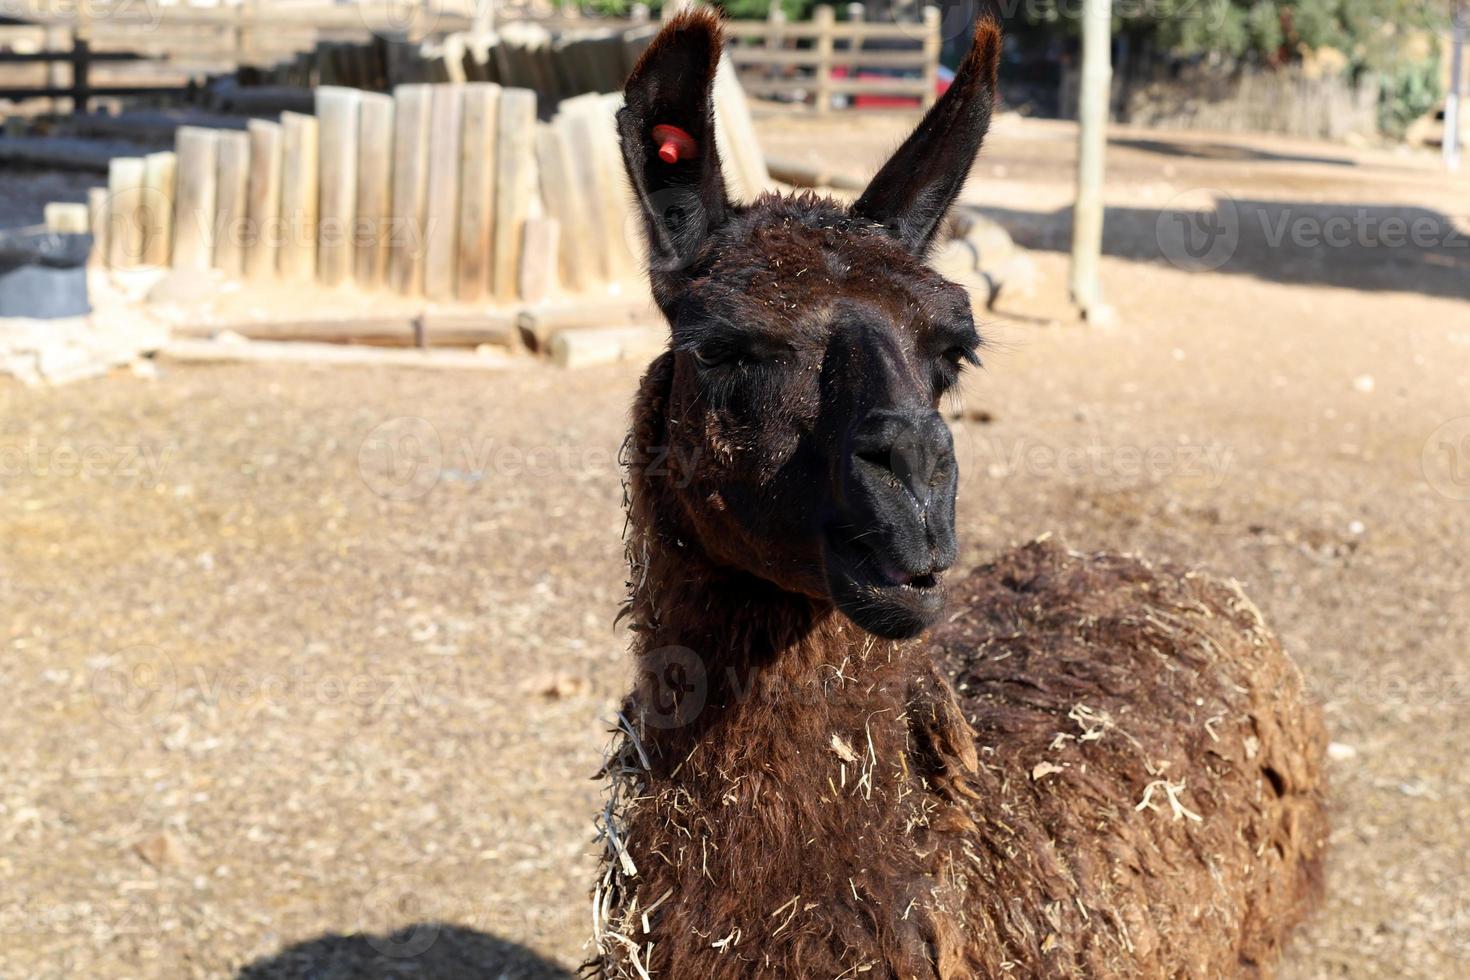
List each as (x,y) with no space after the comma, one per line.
(674,144)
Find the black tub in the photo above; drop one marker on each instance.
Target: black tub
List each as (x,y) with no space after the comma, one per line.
(43,274)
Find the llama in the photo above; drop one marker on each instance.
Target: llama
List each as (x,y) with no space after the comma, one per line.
(1091,767)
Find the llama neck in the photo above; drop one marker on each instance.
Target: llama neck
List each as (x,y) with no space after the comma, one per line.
(739,676)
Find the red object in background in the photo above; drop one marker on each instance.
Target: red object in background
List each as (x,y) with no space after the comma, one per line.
(941,85)
(674,144)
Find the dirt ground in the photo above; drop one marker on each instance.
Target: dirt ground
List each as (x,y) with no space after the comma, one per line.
(307,671)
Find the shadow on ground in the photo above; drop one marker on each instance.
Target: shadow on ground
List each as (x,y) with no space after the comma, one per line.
(424,951)
(1364,247)
(1226,151)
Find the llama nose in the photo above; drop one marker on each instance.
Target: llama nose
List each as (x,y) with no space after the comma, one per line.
(914,448)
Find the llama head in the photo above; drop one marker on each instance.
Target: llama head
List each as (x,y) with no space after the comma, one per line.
(811,346)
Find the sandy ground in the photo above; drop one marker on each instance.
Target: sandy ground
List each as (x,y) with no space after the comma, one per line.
(306,671)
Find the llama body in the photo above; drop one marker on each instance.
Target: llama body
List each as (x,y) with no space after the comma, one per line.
(1085,767)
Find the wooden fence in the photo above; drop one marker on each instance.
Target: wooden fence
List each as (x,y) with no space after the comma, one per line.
(450,192)
(184,43)
(800,61)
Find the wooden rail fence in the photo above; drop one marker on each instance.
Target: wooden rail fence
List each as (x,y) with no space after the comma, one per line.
(799,61)
(450,192)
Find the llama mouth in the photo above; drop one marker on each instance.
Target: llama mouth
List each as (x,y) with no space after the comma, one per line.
(880,596)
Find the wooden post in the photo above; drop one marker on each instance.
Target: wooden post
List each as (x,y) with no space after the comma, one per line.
(592,139)
(125,212)
(824,20)
(160,173)
(337,113)
(1092,137)
(775,37)
(1452,134)
(516,170)
(65,218)
(81,60)
(97,221)
(566,200)
(299,205)
(446,110)
(198,162)
(539,249)
(374,226)
(477,190)
(933,40)
(230,226)
(410,187)
(263,200)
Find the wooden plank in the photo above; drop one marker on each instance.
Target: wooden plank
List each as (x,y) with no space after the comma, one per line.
(593,141)
(263,200)
(198,161)
(339,355)
(160,177)
(446,108)
(374,190)
(566,200)
(808,57)
(230,225)
(337,112)
(410,187)
(124,212)
(477,190)
(97,221)
(584,347)
(67,218)
(746,176)
(296,261)
(539,241)
(516,183)
(824,20)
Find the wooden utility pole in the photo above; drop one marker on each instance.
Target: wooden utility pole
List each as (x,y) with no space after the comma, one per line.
(1092,136)
(1452,134)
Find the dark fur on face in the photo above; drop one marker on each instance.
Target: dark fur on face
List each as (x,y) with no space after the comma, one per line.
(810,347)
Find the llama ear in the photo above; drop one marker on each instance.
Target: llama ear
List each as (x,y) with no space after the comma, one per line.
(667,131)
(915,188)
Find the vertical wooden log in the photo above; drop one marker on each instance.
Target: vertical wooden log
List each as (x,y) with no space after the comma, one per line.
(125,212)
(299,188)
(374,226)
(1092,138)
(445,123)
(516,170)
(410,187)
(337,113)
(592,136)
(198,159)
(160,174)
(97,221)
(477,190)
(230,228)
(263,200)
(539,246)
(65,218)
(825,21)
(566,200)
(933,39)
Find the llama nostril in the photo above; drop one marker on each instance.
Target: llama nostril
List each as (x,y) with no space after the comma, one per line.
(881,458)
